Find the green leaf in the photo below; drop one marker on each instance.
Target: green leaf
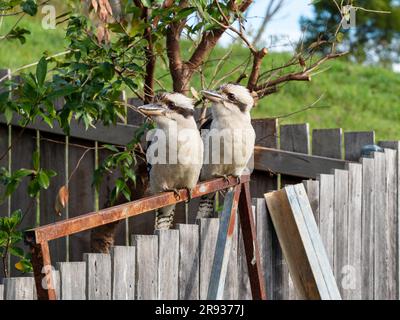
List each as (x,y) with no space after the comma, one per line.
(21,173)
(43,179)
(41,71)
(16,251)
(30,7)
(111,147)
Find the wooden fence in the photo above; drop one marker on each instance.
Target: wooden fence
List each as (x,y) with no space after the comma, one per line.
(356,202)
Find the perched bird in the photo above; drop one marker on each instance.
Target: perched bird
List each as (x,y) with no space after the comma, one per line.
(175,154)
(229,141)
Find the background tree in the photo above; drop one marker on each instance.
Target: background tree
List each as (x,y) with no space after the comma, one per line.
(375,37)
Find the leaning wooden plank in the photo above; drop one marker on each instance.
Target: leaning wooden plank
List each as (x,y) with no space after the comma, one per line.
(224,244)
(395,224)
(299,193)
(123,260)
(98,280)
(72,280)
(168,264)
(208,240)
(353,277)
(244,289)
(293,163)
(326,214)
(340,260)
(367,230)
(19,288)
(327,143)
(380,229)
(297,245)
(146,266)
(188,261)
(354,141)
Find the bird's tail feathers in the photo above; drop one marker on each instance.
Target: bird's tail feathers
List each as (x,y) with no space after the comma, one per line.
(165,218)
(206,207)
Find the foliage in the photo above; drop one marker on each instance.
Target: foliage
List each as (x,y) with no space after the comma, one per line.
(10,238)
(375,36)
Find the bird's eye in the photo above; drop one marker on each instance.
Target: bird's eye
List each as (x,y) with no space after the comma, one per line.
(231,96)
(171,105)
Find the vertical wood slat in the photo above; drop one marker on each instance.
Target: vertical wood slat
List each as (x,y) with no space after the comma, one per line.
(52,156)
(293,137)
(146,266)
(244,289)
(354,141)
(3,163)
(23,147)
(105,197)
(395,218)
(208,240)
(72,280)
(232,277)
(312,188)
(19,288)
(123,260)
(262,182)
(340,260)
(367,231)
(391,223)
(98,276)
(380,225)
(264,237)
(327,143)
(354,232)
(189,261)
(1,292)
(81,193)
(327,214)
(168,264)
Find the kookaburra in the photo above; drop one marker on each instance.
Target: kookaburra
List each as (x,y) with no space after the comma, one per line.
(229,142)
(176,150)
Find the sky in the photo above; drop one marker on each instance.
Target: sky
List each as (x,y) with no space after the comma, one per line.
(285,24)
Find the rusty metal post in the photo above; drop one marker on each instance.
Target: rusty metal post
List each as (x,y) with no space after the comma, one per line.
(251,245)
(42,268)
(224,245)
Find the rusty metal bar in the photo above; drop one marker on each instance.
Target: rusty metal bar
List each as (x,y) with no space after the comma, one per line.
(42,269)
(224,244)
(251,245)
(95,219)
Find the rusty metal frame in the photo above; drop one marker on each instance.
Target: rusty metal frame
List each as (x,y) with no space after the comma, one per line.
(39,237)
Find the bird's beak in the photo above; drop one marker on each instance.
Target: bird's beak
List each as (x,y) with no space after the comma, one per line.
(212,96)
(152,109)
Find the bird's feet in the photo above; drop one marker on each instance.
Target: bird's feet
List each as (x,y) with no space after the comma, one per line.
(225,177)
(238,179)
(175,191)
(190,195)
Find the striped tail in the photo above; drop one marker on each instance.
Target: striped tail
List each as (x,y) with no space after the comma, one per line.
(165,218)
(206,207)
